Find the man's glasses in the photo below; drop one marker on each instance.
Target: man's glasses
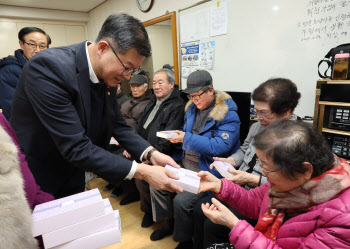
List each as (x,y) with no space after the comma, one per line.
(33,46)
(127,71)
(262,114)
(258,162)
(196,97)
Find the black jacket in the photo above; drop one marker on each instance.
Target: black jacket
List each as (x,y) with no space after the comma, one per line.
(52,117)
(170,116)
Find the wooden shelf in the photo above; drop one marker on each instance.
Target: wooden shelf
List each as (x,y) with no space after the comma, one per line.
(339,132)
(334,103)
(338,81)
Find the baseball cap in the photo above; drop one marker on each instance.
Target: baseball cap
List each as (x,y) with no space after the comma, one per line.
(138,79)
(197,80)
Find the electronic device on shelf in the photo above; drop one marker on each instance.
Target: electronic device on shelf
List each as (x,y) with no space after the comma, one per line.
(340,144)
(337,117)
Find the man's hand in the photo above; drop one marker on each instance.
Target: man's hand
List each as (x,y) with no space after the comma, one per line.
(161,159)
(208,182)
(126,154)
(229,160)
(219,214)
(157,177)
(179,138)
(241,177)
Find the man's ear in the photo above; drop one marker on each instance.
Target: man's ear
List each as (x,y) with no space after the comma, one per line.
(102,47)
(21,44)
(173,84)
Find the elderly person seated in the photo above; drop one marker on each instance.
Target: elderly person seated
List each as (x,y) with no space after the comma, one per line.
(211,128)
(306,202)
(131,111)
(165,111)
(274,99)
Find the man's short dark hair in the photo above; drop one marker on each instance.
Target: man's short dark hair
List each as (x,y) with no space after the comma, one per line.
(26,30)
(281,94)
(291,143)
(125,32)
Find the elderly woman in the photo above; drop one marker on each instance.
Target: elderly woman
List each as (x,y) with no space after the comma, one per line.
(306,202)
(274,99)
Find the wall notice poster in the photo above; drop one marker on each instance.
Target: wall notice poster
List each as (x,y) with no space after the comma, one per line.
(189,58)
(206,52)
(196,55)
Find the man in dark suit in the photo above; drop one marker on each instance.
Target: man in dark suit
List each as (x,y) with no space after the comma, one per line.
(64,112)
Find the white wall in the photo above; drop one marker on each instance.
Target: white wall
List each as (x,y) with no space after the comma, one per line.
(160,7)
(64,27)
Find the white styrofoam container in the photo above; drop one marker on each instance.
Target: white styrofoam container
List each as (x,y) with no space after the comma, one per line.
(167,134)
(81,229)
(189,181)
(100,239)
(222,168)
(54,215)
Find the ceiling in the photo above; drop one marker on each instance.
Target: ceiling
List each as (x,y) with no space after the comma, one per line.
(72,5)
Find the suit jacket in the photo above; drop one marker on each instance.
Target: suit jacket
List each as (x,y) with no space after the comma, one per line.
(51,115)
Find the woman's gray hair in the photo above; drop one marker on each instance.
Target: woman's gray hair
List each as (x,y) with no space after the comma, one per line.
(291,143)
(125,32)
(169,73)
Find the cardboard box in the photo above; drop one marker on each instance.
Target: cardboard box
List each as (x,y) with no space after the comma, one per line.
(81,229)
(97,240)
(167,134)
(222,168)
(189,181)
(54,215)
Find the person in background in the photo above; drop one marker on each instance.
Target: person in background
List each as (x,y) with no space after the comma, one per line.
(306,202)
(64,112)
(33,192)
(19,193)
(120,95)
(165,111)
(32,40)
(274,99)
(211,128)
(131,111)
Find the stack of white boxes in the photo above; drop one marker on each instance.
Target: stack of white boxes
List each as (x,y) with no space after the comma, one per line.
(84,220)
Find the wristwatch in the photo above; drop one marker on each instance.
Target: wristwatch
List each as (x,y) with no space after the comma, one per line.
(149,154)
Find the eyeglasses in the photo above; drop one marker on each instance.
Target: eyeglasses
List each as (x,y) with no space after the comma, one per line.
(196,97)
(262,115)
(258,162)
(34,46)
(127,71)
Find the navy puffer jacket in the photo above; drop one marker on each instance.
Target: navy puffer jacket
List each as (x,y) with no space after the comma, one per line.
(10,69)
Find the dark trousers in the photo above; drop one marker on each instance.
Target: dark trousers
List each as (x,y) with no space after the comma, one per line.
(206,232)
(145,197)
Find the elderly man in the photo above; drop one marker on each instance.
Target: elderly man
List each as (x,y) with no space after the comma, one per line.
(211,129)
(64,113)
(165,111)
(131,111)
(31,40)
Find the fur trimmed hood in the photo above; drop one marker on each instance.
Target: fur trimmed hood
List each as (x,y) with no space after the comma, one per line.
(220,109)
